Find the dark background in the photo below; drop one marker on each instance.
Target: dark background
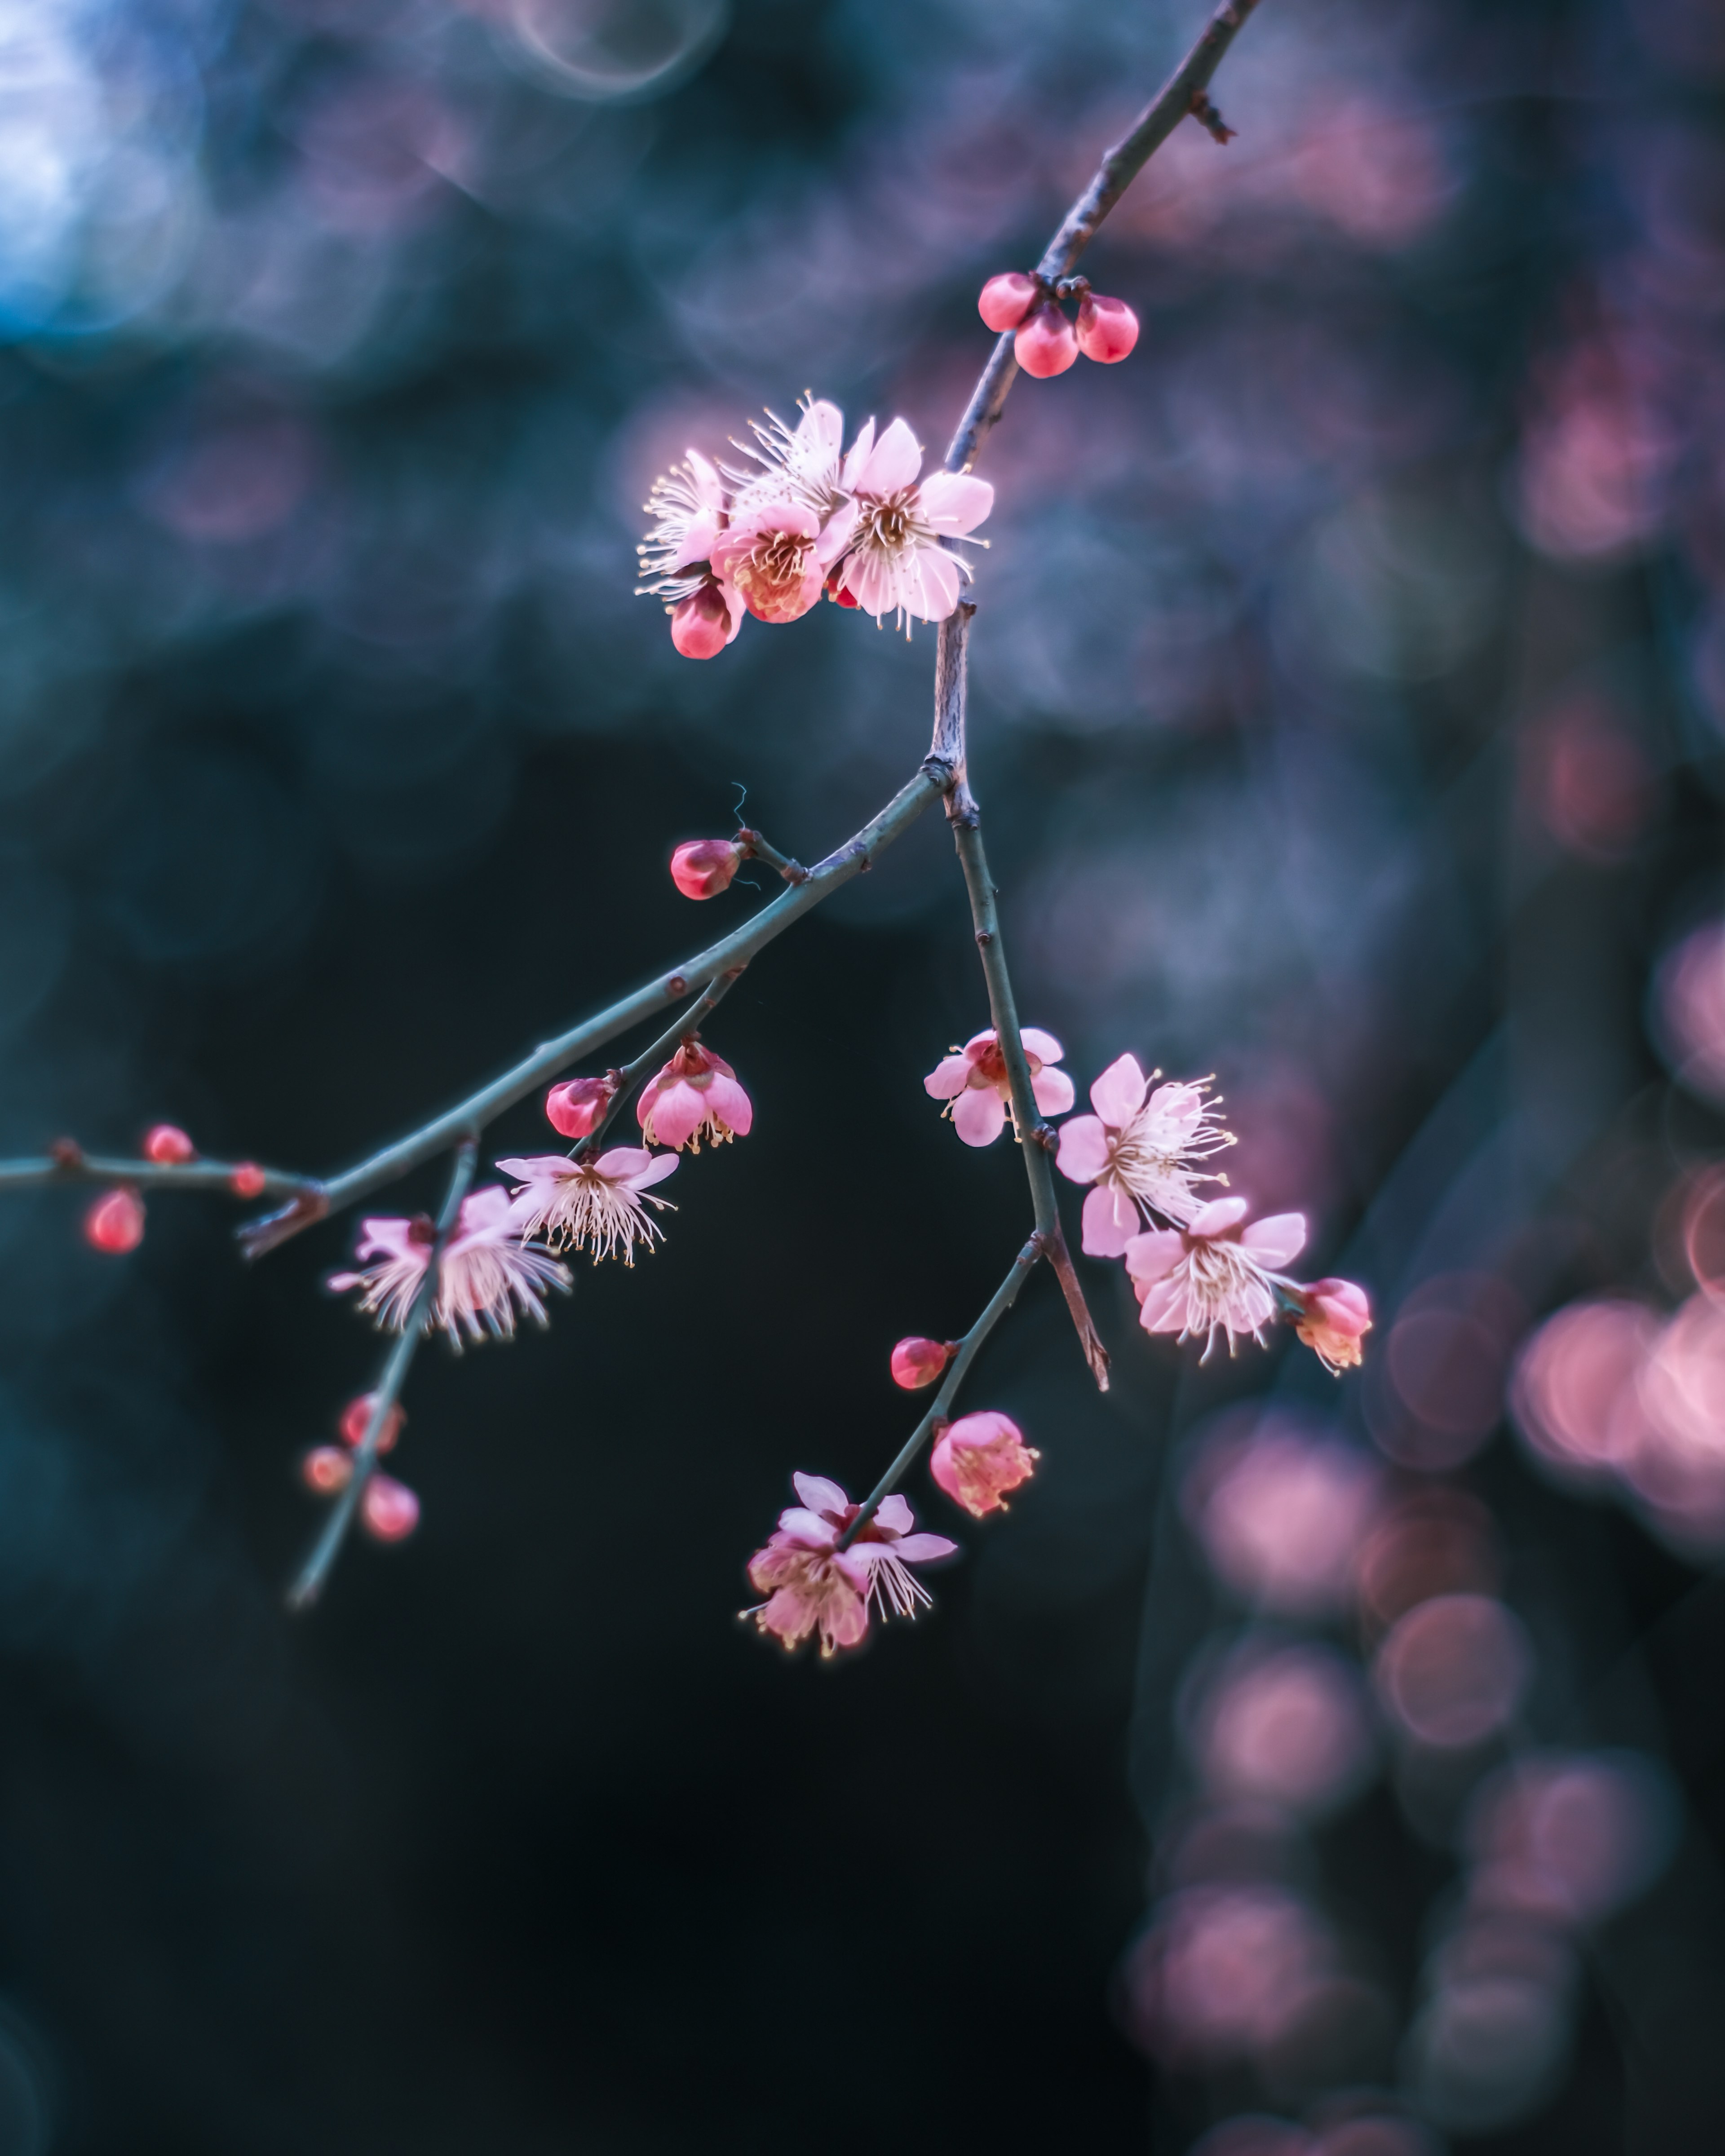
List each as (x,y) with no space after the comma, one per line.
(340,765)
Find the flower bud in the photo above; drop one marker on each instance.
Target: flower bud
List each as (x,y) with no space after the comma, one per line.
(1005,300)
(389,1509)
(700,625)
(977,1457)
(1046,345)
(356,1420)
(326,1469)
(115,1222)
(704,867)
(1107,329)
(169,1147)
(1335,1316)
(577,1107)
(247,1180)
(916,1361)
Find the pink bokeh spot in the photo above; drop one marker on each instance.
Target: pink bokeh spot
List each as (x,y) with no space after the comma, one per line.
(1224,1972)
(1689,997)
(388,1511)
(1283,1513)
(1286,1727)
(1454,1670)
(169,1147)
(1569,1837)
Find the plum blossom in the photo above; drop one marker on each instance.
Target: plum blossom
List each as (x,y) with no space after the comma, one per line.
(696,1097)
(893,561)
(800,464)
(1140,1150)
(1213,1275)
(1335,1314)
(809,1588)
(689,509)
(488,1273)
(598,1205)
(775,555)
(887,1547)
(979,1456)
(973,1080)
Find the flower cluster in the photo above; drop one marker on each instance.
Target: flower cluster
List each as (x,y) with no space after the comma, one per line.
(1046,342)
(802,516)
(811,1584)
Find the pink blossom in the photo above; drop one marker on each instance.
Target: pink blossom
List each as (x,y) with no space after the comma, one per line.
(802,1562)
(1335,1317)
(1005,300)
(974,1079)
(389,1509)
(775,554)
(1107,329)
(577,1107)
(916,1362)
(800,464)
(487,1274)
(599,1205)
(1213,1275)
(689,509)
(1046,344)
(891,534)
(980,1455)
(169,1147)
(696,1097)
(704,867)
(1140,1150)
(114,1223)
(808,1589)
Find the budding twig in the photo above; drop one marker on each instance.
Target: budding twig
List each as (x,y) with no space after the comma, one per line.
(68,1162)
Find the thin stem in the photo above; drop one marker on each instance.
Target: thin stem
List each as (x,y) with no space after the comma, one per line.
(1170,104)
(306,1588)
(755,847)
(69,1163)
(630,1076)
(999,1303)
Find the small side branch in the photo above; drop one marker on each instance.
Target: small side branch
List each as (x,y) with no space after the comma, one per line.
(946,752)
(938,1414)
(306,1588)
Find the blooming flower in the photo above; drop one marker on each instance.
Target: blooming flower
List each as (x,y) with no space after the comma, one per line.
(974,1079)
(810,1582)
(689,509)
(1213,1275)
(806,1588)
(1140,1149)
(800,464)
(775,554)
(696,1097)
(487,1273)
(598,1205)
(895,562)
(1335,1316)
(980,1455)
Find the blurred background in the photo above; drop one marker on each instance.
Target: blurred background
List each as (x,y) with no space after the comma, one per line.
(1303,1768)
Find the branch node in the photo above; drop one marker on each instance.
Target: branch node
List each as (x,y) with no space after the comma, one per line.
(984,936)
(257,1237)
(676,986)
(1207,116)
(67,1155)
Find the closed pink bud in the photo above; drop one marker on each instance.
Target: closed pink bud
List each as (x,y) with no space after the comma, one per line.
(705,867)
(1107,329)
(169,1147)
(326,1469)
(977,1457)
(577,1107)
(356,1420)
(1005,300)
(700,625)
(248,1180)
(916,1362)
(114,1223)
(1046,345)
(389,1509)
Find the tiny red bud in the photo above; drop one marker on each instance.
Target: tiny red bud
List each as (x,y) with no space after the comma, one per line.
(700,625)
(704,867)
(115,1222)
(326,1469)
(1046,345)
(916,1361)
(248,1180)
(1107,329)
(578,1105)
(356,1420)
(389,1509)
(1005,300)
(835,585)
(169,1147)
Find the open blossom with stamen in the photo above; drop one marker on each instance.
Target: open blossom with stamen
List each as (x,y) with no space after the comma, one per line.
(799,464)
(807,1589)
(974,1079)
(812,1583)
(1215,1274)
(895,562)
(696,1097)
(488,1274)
(775,555)
(979,1456)
(598,1205)
(689,509)
(1335,1316)
(1140,1149)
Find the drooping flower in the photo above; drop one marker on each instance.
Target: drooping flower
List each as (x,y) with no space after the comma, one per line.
(812,1582)
(1140,1149)
(488,1273)
(974,1079)
(689,509)
(799,464)
(916,1362)
(114,1223)
(598,1205)
(696,1097)
(577,1107)
(1214,1275)
(808,1589)
(704,867)
(1336,1315)
(774,554)
(979,1456)
(891,534)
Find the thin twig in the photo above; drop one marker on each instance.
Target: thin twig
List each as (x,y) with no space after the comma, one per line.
(755,847)
(69,1163)
(306,1588)
(631,1075)
(999,1303)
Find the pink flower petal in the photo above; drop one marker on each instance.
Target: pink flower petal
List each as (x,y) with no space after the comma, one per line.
(1276,1240)
(860,451)
(804,1526)
(1084,1149)
(892,464)
(979,1117)
(676,1112)
(895,1514)
(541,1168)
(948,1078)
(709,487)
(1220,1214)
(1052,1092)
(1118,1094)
(731,1104)
(923,1549)
(659,1165)
(955,502)
(1154,1255)
(1111,1220)
(1042,1045)
(820,1494)
(836,535)
(929,583)
(1165,1306)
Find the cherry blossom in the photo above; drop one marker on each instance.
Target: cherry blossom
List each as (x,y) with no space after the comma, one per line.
(598,1205)
(1140,1150)
(974,1079)
(169,1147)
(577,1107)
(487,1276)
(890,535)
(775,555)
(114,1223)
(887,1547)
(980,1455)
(688,506)
(696,1097)
(704,867)
(1336,1315)
(916,1362)
(1214,1275)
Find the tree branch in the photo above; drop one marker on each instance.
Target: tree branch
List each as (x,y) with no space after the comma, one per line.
(69,1163)
(631,1075)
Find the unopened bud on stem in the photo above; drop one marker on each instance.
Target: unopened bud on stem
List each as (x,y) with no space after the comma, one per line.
(1107,329)
(389,1509)
(916,1362)
(169,1147)
(1005,300)
(577,1107)
(704,867)
(1046,345)
(356,1420)
(114,1224)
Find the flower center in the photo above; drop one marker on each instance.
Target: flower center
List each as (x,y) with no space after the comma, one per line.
(891,524)
(776,564)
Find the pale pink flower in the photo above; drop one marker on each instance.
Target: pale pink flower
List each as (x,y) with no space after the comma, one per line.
(810,1588)
(979,1456)
(1335,1316)
(696,1097)
(1141,1149)
(974,1079)
(689,508)
(887,1546)
(775,554)
(800,464)
(895,562)
(487,1276)
(1215,1274)
(598,1205)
